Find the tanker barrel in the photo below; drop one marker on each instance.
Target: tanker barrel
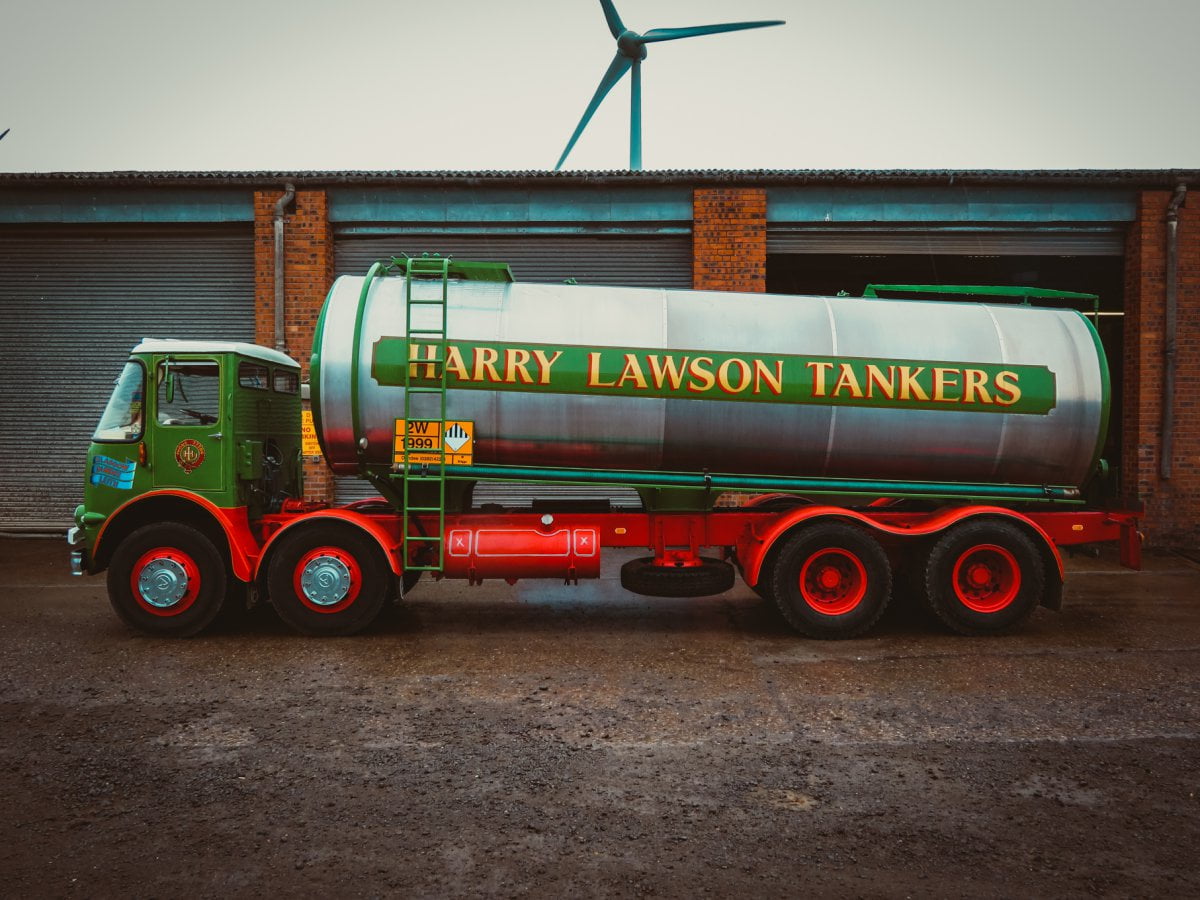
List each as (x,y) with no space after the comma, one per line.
(612,379)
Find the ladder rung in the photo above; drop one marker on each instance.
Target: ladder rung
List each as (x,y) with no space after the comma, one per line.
(412,331)
(424,390)
(415,539)
(416,301)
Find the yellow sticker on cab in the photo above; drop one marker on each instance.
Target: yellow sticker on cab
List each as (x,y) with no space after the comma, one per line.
(420,442)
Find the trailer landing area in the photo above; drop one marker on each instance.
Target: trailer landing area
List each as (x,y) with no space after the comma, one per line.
(546,741)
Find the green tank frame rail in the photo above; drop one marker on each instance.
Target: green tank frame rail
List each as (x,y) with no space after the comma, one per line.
(1014,293)
(720,481)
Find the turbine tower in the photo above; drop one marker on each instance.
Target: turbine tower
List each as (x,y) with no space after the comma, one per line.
(631,50)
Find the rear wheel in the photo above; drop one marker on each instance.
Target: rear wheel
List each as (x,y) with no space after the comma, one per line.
(167,579)
(984,577)
(328,580)
(830,580)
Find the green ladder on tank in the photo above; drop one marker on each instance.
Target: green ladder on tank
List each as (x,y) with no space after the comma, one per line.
(433,271)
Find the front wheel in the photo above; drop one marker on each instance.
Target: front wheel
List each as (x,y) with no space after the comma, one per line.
(984,577)
(830,580)
(167,579)
(328,580)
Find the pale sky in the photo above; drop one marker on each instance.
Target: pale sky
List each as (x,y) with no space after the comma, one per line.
(100,85)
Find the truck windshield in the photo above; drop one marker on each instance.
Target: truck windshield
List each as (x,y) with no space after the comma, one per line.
(124,416)
(195,395)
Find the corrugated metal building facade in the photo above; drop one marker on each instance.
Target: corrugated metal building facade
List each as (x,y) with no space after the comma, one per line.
(90,264)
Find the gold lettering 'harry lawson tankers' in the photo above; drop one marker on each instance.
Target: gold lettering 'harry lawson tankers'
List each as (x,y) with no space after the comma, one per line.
(956,442)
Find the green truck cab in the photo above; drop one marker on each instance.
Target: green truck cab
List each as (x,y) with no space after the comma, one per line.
(204,425)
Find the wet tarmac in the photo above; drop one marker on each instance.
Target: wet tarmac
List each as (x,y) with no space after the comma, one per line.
(548,741)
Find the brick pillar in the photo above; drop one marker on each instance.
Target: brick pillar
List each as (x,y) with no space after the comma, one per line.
(308,273)
(1172,505)
(729,253)
(729,239)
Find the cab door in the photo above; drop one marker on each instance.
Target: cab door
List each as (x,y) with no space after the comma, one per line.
(189,447)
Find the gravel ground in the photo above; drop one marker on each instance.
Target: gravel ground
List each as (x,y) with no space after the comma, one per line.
(548,741)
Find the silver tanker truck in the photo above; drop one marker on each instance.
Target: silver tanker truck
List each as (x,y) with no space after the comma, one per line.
(953,447)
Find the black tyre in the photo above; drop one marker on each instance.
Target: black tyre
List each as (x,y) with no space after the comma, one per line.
(328,580)
(712,576)
(984,577)
(830,580)
(167,579)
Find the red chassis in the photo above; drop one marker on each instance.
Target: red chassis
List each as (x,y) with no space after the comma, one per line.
(567,545)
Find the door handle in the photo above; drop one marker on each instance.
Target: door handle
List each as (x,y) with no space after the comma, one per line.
(216,436)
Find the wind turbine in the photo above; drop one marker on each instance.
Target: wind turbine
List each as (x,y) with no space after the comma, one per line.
(631,50)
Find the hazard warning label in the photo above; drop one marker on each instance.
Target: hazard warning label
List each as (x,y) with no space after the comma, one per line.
(420,442)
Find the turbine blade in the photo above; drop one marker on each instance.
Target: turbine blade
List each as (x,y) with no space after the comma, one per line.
(615,25)
(616,71)
(674,34)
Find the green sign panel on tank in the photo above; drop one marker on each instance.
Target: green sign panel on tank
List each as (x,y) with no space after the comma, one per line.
(712,375)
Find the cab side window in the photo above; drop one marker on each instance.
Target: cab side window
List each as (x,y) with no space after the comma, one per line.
(286,381)
(252,376)
(189,393)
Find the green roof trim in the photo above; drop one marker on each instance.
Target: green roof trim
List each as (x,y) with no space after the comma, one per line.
(466,269)
(1001,291)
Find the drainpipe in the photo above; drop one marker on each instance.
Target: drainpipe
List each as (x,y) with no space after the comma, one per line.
(289,194)
(1170,328)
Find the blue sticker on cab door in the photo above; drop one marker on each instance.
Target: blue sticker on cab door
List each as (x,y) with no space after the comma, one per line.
(113,473)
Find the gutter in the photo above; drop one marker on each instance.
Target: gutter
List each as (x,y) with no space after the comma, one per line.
(1170,332)
(289,194)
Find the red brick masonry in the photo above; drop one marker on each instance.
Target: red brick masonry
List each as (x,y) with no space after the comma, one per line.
(1172,505)
(308,274)
(729,239)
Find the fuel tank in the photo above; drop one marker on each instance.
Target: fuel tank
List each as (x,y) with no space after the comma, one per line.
(609,378)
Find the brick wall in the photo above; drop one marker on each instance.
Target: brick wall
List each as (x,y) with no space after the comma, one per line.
(308,273)
(729,239)
(1172,505)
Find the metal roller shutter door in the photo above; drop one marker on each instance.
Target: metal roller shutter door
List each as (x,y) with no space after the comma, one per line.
(74,301)
(647,260)
(656,260)
(1092,241)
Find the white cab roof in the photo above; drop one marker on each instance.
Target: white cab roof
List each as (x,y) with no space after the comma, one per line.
(266,354)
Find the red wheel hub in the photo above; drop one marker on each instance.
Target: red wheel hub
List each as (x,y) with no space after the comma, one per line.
(327,579)
(986,578)
(833,581)
(165,581)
